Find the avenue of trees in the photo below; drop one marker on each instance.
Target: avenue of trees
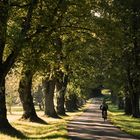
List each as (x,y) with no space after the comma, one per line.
(65,47)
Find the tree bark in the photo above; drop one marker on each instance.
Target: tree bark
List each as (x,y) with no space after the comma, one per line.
(3,111)
(61,85)
(136,59)
(114,97)
(134,81)
(49,87)
(26,97)
(128,104)
(60,98)
(7,64)
(135,105)
(120,103)
(134,97)
(4,8)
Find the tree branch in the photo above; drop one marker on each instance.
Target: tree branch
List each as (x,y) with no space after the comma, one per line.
(14,4)
(18,44)
(78,28)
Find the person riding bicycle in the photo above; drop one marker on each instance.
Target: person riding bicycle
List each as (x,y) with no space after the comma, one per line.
(104,108)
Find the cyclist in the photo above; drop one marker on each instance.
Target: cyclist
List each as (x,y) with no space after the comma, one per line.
(104,108)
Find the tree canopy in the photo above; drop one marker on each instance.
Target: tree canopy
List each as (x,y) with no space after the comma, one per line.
(76,44)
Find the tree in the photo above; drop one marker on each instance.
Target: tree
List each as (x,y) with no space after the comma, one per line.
(49,87)
(61,86)
(25,94)
(6,64)
(130,27)
(29,60)
(68,11)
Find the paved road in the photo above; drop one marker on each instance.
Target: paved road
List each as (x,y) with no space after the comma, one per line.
(90,126)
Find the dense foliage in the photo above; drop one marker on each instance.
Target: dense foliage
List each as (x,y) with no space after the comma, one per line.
(72,46)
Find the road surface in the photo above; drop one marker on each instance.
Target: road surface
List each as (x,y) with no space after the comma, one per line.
(90,126)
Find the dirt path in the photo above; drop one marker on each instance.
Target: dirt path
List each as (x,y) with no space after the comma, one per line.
(90,126)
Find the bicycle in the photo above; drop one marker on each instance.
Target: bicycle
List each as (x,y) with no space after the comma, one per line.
(104,115)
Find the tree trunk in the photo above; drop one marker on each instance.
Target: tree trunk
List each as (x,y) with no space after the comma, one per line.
(134,95)
(134,100)
(49,87)
(61,85)
(113,97)
(4,7)
(128,104)
(136,60)
(7,64)
(135,105)
(26,97)
(120,103)
(60,95)
(3,111)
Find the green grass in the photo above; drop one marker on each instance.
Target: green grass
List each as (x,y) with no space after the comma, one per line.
(105,91)
(19,108)
(55,129)
(126,123)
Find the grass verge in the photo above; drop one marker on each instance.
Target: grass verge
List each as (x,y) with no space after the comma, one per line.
(126,123)
(55,129)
